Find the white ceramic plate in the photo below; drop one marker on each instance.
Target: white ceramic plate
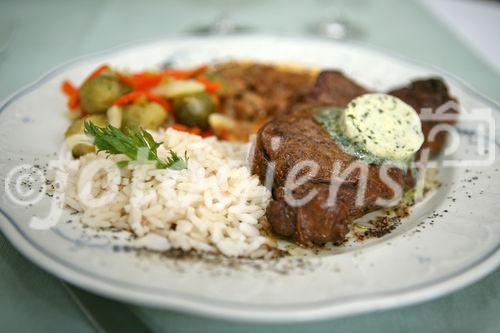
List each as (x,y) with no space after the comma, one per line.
(420,260)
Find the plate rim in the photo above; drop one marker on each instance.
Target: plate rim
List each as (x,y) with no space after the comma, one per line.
(233,310)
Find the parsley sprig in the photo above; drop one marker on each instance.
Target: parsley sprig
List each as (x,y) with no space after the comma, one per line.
(137,144)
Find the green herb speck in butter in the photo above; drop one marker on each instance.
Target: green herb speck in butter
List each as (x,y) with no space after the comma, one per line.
(329,119)
(383,125)
(382,130)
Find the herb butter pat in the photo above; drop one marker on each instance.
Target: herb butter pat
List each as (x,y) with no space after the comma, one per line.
(383,125)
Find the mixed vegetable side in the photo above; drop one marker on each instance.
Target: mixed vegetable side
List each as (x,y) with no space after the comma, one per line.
(186,100)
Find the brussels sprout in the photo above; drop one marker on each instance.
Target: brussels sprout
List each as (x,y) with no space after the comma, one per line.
(77,128)
(194,110)
(97,94)
(148,115)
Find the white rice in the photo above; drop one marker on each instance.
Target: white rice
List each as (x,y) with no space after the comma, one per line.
(215,205)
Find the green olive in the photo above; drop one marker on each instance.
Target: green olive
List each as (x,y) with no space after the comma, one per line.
(98,93)
(77,127)
(148,115)
(194,110)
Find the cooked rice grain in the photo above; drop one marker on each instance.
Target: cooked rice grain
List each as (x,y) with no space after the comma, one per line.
(214,206)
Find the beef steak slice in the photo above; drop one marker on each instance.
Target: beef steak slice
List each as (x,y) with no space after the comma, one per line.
(292,138)
(289,140)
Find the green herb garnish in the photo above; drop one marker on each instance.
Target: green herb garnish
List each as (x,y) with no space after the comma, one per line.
(137,144)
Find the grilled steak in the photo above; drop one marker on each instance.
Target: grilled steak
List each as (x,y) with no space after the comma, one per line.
(293,138)
(333,88)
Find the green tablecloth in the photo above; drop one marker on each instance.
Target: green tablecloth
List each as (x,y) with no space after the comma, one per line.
(46,33)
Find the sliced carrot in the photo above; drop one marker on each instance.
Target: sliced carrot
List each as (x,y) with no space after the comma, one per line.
(191,130)
(98,71)
(210,86)
(68,88)
(133,96)
(148,80)
(73,94)
(126,79)
(74,101)
(185,74)
(145,81)
(141,81)
(180,127)
(160,100)
(207,133)
(195,130)
(129,98)
(224,135)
